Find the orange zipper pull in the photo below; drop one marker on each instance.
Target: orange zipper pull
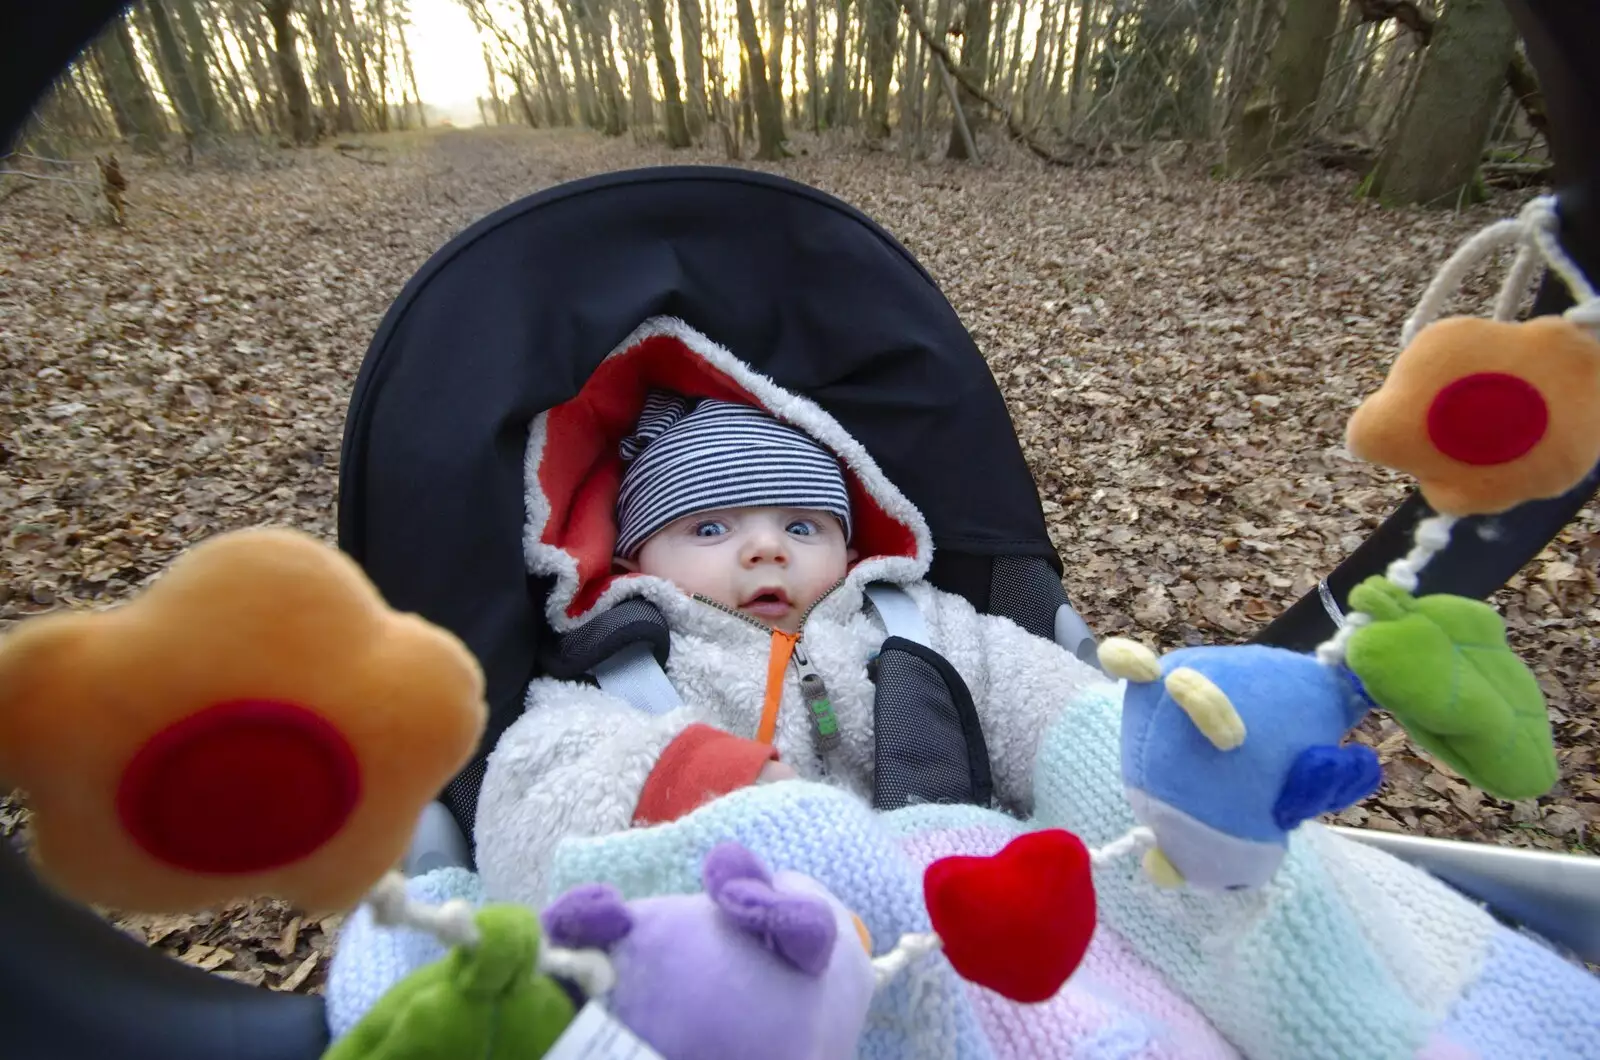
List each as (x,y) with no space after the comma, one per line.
(777,666)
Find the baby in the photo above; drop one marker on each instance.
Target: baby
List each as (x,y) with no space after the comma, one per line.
(740,528)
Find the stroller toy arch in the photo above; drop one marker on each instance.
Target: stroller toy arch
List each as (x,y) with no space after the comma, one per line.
(70,986)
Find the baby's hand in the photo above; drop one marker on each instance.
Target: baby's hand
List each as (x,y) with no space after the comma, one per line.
(775,771)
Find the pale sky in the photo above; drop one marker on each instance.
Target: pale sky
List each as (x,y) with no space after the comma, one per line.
(448,58)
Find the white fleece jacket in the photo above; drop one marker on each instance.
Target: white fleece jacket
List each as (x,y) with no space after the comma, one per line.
(577,760)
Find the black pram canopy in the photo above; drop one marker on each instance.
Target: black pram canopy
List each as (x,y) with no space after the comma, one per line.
(512,316)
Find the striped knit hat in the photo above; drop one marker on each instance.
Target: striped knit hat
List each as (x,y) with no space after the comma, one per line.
(689,455)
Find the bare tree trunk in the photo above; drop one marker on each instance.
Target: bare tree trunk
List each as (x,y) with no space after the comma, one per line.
(410,72)
(1279,110)
(794,73)
(694,67)
(613,68)
(1038,67)
(1014,65)
(237,92)
(813,74)
(933,83)
(883,20)
(297,98)
(553,75)
(200,64)
(89,76)
(1056,102)
(644,116)
(912,72)
(138,116)
(838,71)
(381,67)
(330,66)
(172,64)
(999,22)
(1434,156)
(769,112)
(582,80)
(974,63)
(524,99)
(245,16)
(497,106)
(777,16)
(1197,77)
(667,70)
(858,98)
(596,22)
(355,38)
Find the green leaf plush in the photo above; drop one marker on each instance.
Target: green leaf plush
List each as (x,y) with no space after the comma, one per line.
(483,1002)
(1440,664)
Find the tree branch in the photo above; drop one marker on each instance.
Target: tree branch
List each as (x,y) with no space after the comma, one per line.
(1404,12)
(913,11)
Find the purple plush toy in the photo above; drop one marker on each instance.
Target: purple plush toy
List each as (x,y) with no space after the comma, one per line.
(760,964)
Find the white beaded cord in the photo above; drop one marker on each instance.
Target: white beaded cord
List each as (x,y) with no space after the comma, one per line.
(455,924)
(452,923)
(1450,275)
(911,948)
(592,970)
(1431,537)
(1537,228)
(1136,841)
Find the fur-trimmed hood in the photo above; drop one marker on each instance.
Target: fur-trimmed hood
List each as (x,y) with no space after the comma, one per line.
(573,469)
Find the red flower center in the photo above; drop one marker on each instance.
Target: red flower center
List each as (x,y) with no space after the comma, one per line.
(240,787)
(1487,418)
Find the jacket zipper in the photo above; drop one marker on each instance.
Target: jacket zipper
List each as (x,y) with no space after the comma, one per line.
(825,735)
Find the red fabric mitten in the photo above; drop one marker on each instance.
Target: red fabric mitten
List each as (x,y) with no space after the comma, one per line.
(1019,922)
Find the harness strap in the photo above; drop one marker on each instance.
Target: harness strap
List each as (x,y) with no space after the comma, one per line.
(633,675)
(898,612)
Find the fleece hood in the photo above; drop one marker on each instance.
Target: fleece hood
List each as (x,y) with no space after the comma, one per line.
(573,469)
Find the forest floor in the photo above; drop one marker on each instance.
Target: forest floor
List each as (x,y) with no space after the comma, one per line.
(1179,356)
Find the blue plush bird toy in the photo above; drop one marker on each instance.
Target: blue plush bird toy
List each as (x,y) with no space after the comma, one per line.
(1226,750)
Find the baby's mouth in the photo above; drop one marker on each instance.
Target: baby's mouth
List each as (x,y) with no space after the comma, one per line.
(767,603)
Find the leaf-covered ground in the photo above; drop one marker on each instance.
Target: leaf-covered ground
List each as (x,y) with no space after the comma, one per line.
(1179,356)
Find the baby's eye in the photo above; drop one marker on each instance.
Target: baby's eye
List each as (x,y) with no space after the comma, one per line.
(802,528)
(710,528)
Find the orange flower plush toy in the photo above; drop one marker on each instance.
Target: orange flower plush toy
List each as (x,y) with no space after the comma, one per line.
(1487,414)
(257,722)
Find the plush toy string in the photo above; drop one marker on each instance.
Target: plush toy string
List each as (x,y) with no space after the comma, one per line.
(1535,231)
(914,946)
(454,924)
(1535,234)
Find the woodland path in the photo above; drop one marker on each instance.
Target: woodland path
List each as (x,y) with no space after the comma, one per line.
(1179,356)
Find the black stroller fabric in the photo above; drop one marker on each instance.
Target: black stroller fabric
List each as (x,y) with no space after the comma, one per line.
(512,316)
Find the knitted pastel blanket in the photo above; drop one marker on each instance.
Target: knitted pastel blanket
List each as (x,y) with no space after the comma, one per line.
(1348,954)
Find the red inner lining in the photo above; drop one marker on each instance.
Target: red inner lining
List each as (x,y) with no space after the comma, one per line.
(580,470)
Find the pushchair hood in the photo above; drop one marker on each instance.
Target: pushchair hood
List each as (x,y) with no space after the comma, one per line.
(514,315)
(574,465)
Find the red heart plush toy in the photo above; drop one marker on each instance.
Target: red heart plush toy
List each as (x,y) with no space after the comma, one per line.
(1019,922)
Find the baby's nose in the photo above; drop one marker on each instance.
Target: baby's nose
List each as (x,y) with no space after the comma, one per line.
(765,548)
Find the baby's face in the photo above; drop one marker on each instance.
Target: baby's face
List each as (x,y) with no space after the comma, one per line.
(771,564)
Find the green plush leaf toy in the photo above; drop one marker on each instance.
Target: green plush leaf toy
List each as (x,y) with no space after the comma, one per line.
(1440,664)
(483,1001)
